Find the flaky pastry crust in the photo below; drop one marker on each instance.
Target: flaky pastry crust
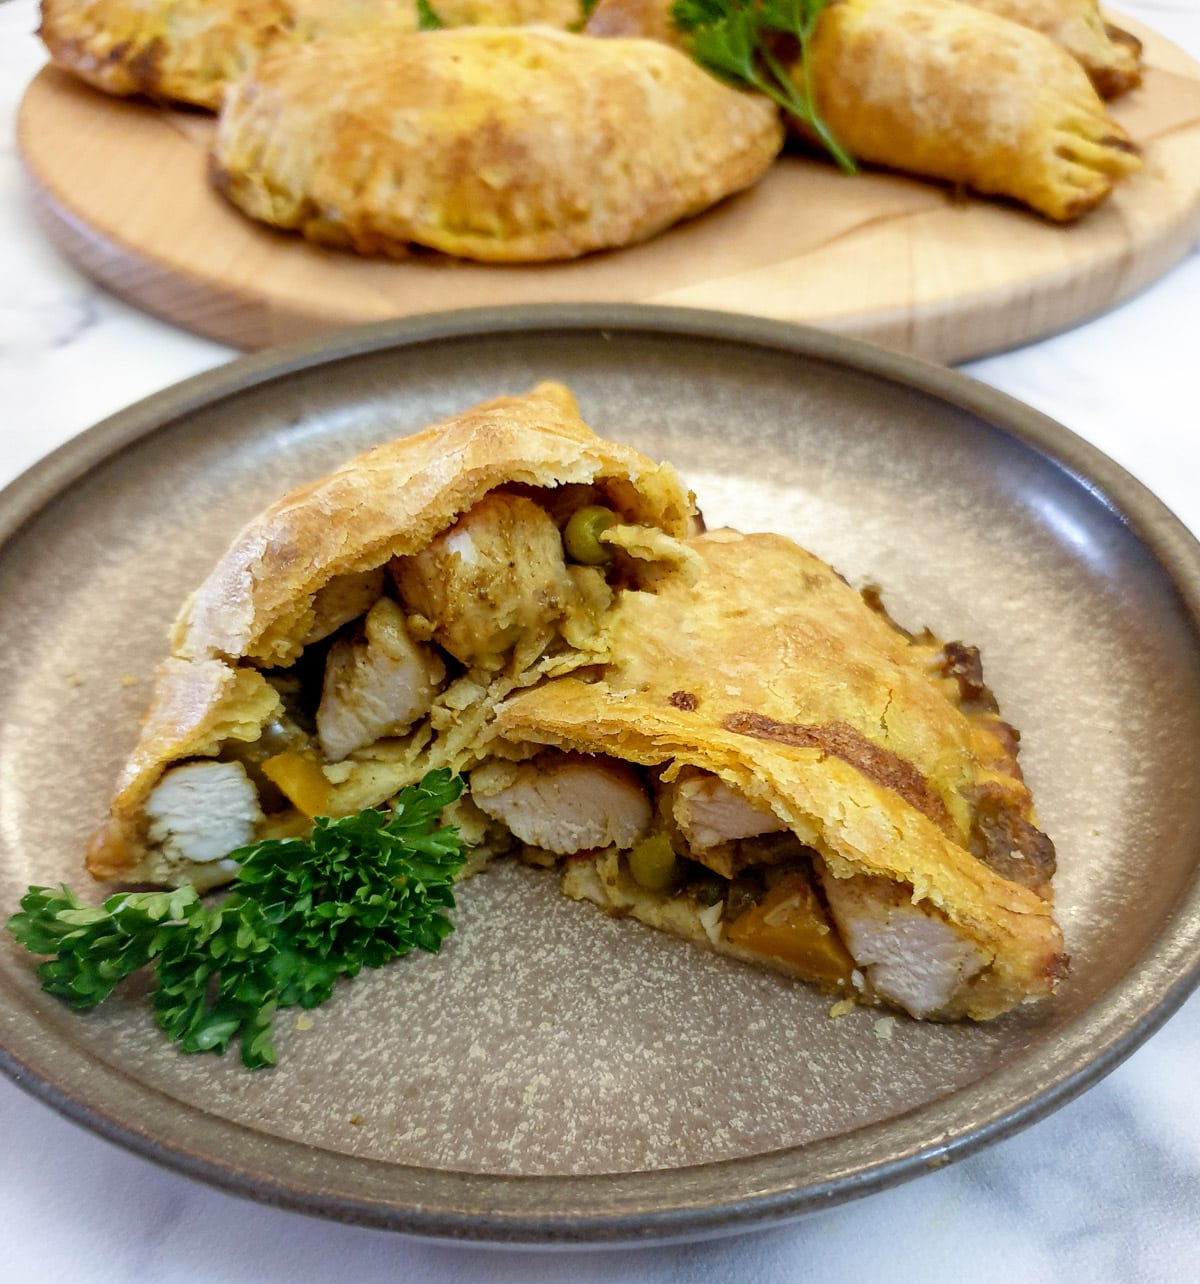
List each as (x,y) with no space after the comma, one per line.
(937,88)
(256,608)
(1111,56)
(188,51)
(513,145)
(177,50)
(773,674)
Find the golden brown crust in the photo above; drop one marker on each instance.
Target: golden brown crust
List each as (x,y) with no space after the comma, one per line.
(196,706)
(257,606)
(937,88)
(812,655)
(188,51)
(1111,57)
(317,18)
(179,50)
(650,19)
(391,500)
(513,145)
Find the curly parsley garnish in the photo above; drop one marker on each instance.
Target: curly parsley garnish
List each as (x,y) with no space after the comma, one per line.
(360,891)
(737,40)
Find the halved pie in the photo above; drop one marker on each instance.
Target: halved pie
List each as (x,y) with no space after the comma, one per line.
(712,733)
(772,768)
(361,630)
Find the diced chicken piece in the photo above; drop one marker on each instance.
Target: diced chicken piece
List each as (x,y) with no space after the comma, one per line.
(565,802)
(710,812)
(376,686)
(201,811)
(911,956)
(496,578)
(343,599)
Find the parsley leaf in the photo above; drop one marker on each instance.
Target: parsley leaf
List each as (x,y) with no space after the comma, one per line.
(360,891)
(737,40)
(427,17)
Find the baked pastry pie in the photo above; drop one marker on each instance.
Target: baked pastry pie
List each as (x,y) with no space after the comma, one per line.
(951,92)
(1111,56)
(188,51)
(177,50)
(770,767)
(713,733)
(510,145)
(361,630)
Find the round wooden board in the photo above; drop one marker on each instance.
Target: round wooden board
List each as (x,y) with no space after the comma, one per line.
(121,189)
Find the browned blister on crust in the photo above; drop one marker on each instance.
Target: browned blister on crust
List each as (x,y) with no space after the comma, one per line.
(811,706)
(515,145)
(950,92)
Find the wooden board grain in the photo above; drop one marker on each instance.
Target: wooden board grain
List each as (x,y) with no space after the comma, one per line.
(121,188)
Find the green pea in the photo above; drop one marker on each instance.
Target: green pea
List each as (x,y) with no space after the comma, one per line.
(581,538)
(652,863)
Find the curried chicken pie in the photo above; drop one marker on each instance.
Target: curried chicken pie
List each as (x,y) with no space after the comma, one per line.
(712,733)
(1110,55)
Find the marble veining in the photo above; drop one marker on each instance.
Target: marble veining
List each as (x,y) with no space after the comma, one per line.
(1105,1189)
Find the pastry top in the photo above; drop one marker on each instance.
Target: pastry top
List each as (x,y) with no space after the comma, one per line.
(939,88)
(1110,56)
(649,18)
(313,562)
(314,18)
(189,50)
(178,50)
(509,145)
(775,675)
(258,602)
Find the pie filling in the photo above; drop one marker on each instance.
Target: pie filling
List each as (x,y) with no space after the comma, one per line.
(681,850)
(401,670)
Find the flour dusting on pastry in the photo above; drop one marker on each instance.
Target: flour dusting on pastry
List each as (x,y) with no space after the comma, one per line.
(500,145)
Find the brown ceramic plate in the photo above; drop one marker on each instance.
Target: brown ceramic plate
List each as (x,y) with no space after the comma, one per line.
(554,1075)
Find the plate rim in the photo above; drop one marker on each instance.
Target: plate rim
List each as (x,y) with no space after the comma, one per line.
(925,1138)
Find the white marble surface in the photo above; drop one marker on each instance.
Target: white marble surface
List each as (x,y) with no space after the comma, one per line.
(1106,1189)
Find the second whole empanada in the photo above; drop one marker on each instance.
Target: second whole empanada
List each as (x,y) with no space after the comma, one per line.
(947,91)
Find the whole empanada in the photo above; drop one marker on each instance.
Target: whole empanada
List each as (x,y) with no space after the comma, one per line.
(940,89)
(509,145)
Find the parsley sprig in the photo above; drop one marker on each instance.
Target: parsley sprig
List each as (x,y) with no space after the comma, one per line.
(737,40)
(359,892)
